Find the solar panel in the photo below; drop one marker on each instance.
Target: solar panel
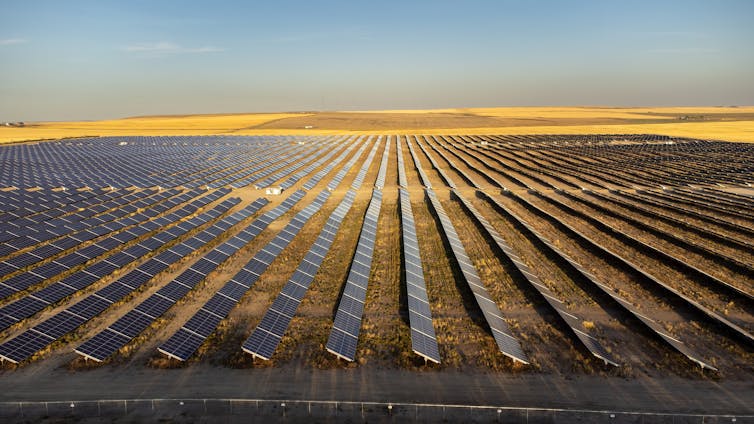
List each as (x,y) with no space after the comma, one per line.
(419,169)
(102,345)
(182,345)
(265,338)
(649,322)
(89,307)
(59,325)
(23,281)
(28,342)
(131,324)
(506,342)
(345,332)
(23,346)
(190,337)
(154,306)
(202,324)
(570,319)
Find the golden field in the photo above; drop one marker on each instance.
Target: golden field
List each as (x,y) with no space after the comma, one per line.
(722,123)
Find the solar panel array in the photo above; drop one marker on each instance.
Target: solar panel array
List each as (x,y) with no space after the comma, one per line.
(445,177)
(75,232)
(38,337)
(342,173)
(452,164)
(688,267)
(344,335)
(313,181)
(126,328)
(266,337)
(506,342)
(653,325)
(293,179)
(270,161)
(571,320)
(125,230)
(422,175)
(380,181)
(56,221)
(423,338)
(710,313)
(281,166)
(52,293)
(75,212)
(130,161)
(704,231)
(191,335)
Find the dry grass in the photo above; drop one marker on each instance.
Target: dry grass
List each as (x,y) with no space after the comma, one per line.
(722,123)
(156,125)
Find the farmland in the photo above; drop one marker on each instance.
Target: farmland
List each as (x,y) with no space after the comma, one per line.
(621,260)
(718,123)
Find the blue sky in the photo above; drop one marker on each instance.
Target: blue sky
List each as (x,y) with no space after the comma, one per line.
(63,60)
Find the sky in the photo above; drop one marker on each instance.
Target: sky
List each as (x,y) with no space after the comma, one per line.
(80,60)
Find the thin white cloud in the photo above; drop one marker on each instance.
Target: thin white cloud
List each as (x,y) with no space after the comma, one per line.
(168,47)
(683,50)
(11,41)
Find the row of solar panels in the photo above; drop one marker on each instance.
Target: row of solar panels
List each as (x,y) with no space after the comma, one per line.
(423,338)
(187,340)
(124,230)
(130,325)
(31,341)
(506,341)
(131,162)
(108,342)
(21,218)
(266,337)
(50,294)
(589,341)
(647,275)
(344,335)
(80,165)
(58,220)
(157,203)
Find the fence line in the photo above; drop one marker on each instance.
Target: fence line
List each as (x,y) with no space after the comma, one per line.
(353,409)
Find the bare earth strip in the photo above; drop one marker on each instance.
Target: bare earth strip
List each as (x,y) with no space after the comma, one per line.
(672,394)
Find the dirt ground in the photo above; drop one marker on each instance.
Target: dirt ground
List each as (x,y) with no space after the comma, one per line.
(355,121)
